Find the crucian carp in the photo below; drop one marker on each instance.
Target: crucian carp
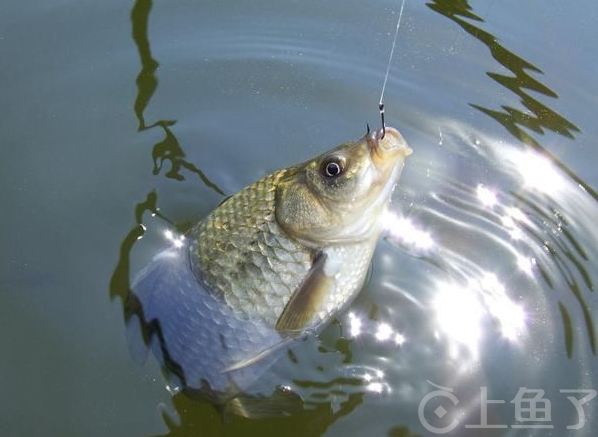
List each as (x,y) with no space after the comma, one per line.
(276,260)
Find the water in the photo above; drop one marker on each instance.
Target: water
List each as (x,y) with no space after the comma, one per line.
(117,115)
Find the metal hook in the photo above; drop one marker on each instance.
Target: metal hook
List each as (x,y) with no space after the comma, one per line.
(367,125)
(381,108)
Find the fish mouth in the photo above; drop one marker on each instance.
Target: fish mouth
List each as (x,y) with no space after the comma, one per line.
(387,146)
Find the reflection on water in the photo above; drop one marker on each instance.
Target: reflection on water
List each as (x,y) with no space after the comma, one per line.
(538,170)
(530,224)
(146,80)
(490,257)
(543,117)
(460,308)
(538,115)
(402,229)
(306,422)
(169,148)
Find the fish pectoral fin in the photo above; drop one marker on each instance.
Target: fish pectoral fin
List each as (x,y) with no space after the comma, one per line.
(305,301)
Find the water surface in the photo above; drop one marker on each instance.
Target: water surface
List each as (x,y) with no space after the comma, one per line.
(123,120)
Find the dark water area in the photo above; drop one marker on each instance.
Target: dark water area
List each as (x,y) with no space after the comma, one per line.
(123,122)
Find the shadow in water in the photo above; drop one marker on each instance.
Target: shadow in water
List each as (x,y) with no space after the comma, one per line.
(566,252)
(400,431)
(202,416)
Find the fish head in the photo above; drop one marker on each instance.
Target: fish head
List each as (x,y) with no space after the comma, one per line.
(338,197)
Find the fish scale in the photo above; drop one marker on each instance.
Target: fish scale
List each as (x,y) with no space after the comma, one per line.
(258,271)
(200,333)
(243,255)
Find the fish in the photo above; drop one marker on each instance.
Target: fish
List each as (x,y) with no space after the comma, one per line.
(268,267)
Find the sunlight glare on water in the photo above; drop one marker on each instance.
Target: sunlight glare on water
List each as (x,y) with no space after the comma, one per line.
(460,312)
(403,230)
(459,315)
(537,171)
(177,241)
(486,196)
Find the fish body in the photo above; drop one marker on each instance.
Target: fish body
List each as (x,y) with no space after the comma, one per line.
(274,261)
(242,253)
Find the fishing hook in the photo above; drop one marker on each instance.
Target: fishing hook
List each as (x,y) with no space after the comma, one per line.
(381,107)
(367,125)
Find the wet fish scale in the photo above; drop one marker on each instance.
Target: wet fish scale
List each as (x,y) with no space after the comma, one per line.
(203,334)
(244,256)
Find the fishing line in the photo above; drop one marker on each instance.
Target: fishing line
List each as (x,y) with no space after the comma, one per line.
(392,52)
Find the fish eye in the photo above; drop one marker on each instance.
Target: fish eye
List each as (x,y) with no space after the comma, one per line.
(332,167)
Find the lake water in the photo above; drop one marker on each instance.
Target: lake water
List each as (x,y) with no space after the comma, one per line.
(122,120)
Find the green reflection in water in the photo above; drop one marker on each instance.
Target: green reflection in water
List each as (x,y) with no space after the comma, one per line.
(543,117)
(146,80)
(400,431)
(169,149)
(515,121)
(305,423)
(568,329)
